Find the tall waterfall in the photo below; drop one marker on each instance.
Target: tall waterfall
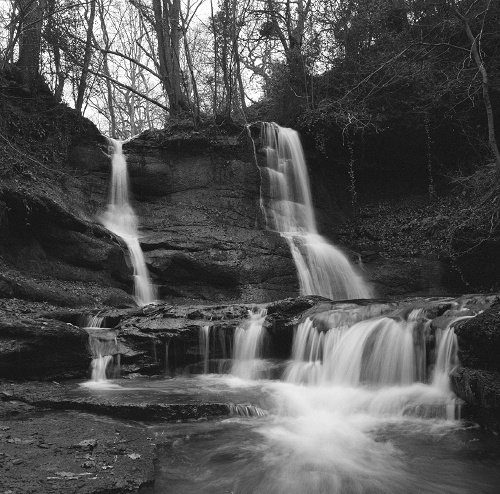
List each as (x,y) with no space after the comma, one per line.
(322,268)
(120,219)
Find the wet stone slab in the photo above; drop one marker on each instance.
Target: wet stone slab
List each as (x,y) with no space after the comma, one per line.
(63,452)
(52,396)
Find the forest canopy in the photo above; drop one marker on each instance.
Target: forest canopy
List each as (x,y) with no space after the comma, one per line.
(325,66)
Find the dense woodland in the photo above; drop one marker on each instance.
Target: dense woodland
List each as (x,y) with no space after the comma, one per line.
(377,87)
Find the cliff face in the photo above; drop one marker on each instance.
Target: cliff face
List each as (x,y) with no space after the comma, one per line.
(197,197)
(52,251)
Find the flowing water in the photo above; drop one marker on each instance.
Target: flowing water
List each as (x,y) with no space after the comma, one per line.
(104,349)
(249,340)
(120,219)
(290,439)
(363,406)
(322,268)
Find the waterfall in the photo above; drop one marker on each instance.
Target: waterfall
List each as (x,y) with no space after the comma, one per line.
(322,268)
(205,346)
(103,345)
(99,367)
(120,219)
(447,358)
(248,345)
(361,350)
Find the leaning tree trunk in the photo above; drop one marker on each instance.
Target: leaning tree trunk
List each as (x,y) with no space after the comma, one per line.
(476,55)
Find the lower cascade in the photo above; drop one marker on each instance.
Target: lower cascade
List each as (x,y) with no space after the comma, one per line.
(104,348)
(249,340)
(363,405)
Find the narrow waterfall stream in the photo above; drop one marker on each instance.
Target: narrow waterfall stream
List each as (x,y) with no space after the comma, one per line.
(120,219)
(322,268)
(249,340)
(103,345)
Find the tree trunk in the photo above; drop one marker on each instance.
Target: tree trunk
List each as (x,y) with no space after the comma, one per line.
(196,96)
(53,40)
(31,12)
(105,67)
(82,86)
(476,55)
(166,25)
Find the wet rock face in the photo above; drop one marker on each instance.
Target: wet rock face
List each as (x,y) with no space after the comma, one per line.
(197,199)
(51,250)
(415,276)
(478,381)
(479,340)
(203,231)
(37,348)
(480,389)
(49,346)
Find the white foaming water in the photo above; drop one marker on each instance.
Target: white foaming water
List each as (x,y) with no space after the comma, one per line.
(447,358)
(120,219)
(205,346)
(330,439)
(363,379)
(359,350)
(322,268)
(103,346)
(248,346)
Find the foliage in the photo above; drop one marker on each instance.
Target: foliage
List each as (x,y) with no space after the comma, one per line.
(447,227)
(35,131)
(396,66)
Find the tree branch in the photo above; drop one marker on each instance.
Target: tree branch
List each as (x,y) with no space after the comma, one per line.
(130,88)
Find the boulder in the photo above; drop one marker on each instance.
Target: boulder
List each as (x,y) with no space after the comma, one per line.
(479,340)
(480,389)
(43,349)
(478,381)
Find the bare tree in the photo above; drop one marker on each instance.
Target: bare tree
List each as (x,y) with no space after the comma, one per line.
(31,15)
(478,60)
(82,86)
(168,33)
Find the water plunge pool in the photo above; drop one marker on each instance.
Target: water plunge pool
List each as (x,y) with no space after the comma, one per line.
(314,439)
